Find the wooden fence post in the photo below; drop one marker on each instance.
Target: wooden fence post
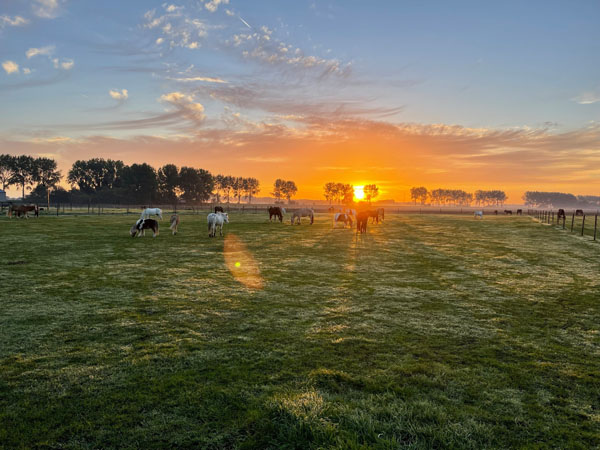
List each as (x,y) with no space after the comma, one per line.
(583,225)
(572,221)
(564,219)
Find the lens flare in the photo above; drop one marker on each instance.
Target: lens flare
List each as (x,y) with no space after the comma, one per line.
(241,263)
(359,192)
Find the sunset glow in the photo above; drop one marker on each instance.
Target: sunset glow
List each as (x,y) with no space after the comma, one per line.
(359,194)
(268,90)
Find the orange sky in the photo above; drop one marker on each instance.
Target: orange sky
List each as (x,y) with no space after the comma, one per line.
(393,156)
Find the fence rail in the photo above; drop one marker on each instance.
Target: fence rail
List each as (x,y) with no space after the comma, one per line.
(573,221)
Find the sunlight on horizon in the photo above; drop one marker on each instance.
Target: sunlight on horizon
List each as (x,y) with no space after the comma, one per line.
(359,192)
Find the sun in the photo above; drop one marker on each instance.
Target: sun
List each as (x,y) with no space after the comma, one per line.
(359,192)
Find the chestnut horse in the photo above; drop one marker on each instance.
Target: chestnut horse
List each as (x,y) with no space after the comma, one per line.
(275,211)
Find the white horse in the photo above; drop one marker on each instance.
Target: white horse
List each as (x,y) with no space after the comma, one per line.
(478,214)
(146,213)
(215,220)
(303,212)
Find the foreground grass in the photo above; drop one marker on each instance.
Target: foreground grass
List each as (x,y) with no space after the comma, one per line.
(431,331)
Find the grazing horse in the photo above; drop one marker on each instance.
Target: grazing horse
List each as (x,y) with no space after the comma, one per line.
(579,212)
(144,224)
(478,214)
(218,209)
(346,219)
(373,214)
(519,212)
(303,212)
(362,219)
(23,210)
(146,213)
(495,212)
(561,214)
(215,220)
(276,211)
(508,212)
(174,223)
(380,213)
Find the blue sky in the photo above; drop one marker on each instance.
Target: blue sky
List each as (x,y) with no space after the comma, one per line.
(239,76)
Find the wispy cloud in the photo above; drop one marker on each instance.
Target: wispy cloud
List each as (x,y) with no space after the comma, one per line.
(185,105)
(212,5)
(15,21)
(587,98)
(47,9)
(10,67)
(119,95)
(193,79)
(65,64)
(46,51)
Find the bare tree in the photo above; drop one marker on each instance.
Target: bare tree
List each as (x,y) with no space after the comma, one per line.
(371,191)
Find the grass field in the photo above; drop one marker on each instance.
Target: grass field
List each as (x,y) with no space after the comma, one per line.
(429,332)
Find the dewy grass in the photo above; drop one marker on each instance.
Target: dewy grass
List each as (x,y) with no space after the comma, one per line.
(429,331)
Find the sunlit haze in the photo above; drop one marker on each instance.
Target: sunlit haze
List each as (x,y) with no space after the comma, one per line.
(469,95)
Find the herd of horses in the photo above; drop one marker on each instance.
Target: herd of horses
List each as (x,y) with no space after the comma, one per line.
(216,220)
(507,212)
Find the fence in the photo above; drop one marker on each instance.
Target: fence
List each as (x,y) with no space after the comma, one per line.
(569,221)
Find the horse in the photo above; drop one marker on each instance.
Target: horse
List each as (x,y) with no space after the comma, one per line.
(277,212)
(519,212)
(495,212)
(174,222)
(218,209)
(478,214)
(561,214)
(579,212)
(351,212)
(144,224)
(215,220)
(146,213)
(23,210)
(380,212)
(508,212)
(374,215)
(342,218)
(362,219)
(303,212)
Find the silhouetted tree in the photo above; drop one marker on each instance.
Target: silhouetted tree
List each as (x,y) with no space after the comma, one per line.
(289,189)
(6,167)
(371,191)
(419,194)
(278,189)
(251,188)
(23,172)
(168,183)
(46,175)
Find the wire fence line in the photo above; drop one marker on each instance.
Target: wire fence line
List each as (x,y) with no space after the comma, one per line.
(578,221)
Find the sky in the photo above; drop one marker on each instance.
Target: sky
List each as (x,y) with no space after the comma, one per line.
(466,94)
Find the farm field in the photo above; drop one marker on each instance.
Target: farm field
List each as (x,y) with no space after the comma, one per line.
(431,331)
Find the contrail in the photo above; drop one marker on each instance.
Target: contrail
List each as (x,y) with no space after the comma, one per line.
(244,22)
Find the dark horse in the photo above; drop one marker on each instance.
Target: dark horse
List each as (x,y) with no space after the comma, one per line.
(374,214)
(138,229)
(275,211)
(218,209)
(561,214)
(579,212)
(362,218)
(519,212)
(508,211)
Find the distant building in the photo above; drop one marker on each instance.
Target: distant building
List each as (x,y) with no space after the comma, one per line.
(2,196)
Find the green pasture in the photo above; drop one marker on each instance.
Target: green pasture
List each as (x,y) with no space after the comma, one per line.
(431,331)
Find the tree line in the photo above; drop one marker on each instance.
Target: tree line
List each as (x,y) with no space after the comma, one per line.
(344,193)
(539,199)
(457,197)
(101,180)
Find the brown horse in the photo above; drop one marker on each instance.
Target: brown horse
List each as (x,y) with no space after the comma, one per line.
(519,212)
(561,214)
(23,210)
(277,212)
(579,212)
(374,215)
(218,209)
(362,218)
(508,211)
(174,223)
